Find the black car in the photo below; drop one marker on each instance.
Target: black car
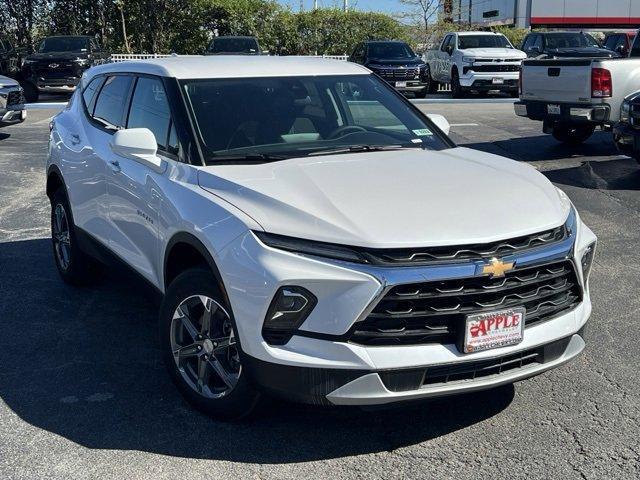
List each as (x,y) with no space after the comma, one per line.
(619,42)
(626,133)
(10,58)
(395,62)
(232,45)
(58,64)
(564,45)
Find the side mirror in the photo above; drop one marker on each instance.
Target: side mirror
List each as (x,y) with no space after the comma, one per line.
(138,144)
(440,122)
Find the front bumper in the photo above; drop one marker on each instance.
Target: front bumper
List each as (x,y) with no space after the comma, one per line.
(569,113)
(11,113)
(317,366)
(502,81)
(408,85)
(57,85)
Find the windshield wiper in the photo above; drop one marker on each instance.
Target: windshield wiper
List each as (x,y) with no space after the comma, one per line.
(247,158)
(364,148)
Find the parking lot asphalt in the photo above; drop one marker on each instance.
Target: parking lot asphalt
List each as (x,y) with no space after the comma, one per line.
(83,393)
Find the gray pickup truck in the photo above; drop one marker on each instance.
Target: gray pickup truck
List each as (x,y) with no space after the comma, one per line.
(574,96)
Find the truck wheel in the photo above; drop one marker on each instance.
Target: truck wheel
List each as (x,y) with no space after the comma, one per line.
(201,349)
(432,85)
(573,135)
(457,91)
(31,93)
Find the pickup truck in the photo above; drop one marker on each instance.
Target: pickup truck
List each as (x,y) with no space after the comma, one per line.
(480,61)
(574,96)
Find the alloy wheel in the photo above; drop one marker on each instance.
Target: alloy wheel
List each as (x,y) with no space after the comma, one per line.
(61,236)
(204,346)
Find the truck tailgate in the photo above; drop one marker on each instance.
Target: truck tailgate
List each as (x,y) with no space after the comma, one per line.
(563,81)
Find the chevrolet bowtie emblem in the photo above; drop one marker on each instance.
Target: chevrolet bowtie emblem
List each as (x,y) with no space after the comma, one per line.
(497,268)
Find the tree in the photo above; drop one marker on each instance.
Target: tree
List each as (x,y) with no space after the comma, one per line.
(24,15)
(421,14)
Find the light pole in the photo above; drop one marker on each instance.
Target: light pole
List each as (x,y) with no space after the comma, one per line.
(346,5)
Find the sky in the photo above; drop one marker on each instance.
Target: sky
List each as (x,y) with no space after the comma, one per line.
(388,6)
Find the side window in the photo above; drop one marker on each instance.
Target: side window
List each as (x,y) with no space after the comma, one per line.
(445,42)
(539,42)
(150,109)
(528,42)
(89,93)
(112,101)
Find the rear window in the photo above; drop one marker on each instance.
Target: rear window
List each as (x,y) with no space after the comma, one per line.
(89,93)
(234,45)
(570,40)
(112,100)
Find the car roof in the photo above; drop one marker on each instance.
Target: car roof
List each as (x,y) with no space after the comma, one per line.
(231,66)
(464,34)
(384,41)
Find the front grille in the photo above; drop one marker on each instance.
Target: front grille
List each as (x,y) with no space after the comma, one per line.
(399,74)
(422,256)
(62,71)
(434,312)
(15,98)
(492,68)
(415,378)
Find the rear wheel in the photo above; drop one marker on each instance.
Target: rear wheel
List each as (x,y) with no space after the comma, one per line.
(571,134)
(74,266)
(200,347)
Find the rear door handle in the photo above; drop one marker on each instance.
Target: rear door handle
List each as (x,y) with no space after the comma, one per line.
(115,166)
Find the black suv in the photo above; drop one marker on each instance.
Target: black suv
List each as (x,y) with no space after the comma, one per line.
(58,64)
(564,44)
(395,62)
(231,45)
(9,58)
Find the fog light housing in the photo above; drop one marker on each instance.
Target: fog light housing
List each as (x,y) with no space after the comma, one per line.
(587,261)
(289,308)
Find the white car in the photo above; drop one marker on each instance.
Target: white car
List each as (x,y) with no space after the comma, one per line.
(12,109)
(313,234)
(478,61)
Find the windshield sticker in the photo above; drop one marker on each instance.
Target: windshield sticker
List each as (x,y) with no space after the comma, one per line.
(423,132)
(416,140)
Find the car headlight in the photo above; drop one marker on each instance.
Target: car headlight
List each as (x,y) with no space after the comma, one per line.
(468,60)
(309,247)
(81,61)
(587,260)
(289,309)
(624,111)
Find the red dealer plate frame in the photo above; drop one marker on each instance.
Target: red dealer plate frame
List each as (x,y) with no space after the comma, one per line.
(486,331)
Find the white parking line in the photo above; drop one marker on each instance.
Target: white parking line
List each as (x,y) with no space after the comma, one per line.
(46,120)
(464,125)
(428,101)
(45,105)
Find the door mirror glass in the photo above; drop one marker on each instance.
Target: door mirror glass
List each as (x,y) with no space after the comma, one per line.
(138,144)
(440,122)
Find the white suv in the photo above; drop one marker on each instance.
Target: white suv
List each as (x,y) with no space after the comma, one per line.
(313,234)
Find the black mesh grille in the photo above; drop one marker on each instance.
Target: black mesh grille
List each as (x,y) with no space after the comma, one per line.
(493,68)
(15,98)
(419,256)
(434,312)
(399,74)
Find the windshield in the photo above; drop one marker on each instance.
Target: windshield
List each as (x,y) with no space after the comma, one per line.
(233,45)
(570,40)
(276,118)
(64,44)
(483,41)
(391,50)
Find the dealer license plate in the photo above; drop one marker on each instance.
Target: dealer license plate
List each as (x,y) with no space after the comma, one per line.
(401,84)
(553,109)
(497,81)
(485,331)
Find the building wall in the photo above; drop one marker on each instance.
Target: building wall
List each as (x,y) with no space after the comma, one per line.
(485,12)
(607,13)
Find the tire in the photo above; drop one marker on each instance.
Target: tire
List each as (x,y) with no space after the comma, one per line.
(514,94)
(457,91)
(31,93)
(74,266)
(192,352)
(572,135)
(432,85)
(421,94)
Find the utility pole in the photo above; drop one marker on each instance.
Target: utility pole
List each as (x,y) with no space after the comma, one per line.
(346,5)
(315,4)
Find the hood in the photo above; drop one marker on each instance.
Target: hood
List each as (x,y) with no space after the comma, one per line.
(397,199)
(494,53)
(57,56)
(585,52)
(395,61)
(8,82)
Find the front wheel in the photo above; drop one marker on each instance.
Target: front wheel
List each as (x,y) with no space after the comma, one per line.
(573,135)
(201,349)
(431,84)
(457,91)
(31,93)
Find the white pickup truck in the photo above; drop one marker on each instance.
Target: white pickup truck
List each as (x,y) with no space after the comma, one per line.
(479,61)
(574,96)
